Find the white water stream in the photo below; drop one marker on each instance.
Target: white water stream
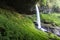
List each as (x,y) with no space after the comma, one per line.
(38,18)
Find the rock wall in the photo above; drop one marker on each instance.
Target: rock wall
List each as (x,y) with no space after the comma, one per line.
(23,6)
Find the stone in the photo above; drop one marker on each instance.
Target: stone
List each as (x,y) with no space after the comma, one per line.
(22,6)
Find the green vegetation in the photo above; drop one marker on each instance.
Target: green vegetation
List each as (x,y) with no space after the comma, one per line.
(14,26)
(52,18)
(55,3)
(17,27)
(43,2)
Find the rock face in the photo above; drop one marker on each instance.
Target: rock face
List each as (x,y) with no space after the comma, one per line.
(23,6)
(52,29)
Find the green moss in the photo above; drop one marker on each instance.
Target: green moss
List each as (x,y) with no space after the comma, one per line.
(18,27)
(52,18)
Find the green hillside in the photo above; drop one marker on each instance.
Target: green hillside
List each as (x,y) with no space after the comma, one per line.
(53,18)
(14,26)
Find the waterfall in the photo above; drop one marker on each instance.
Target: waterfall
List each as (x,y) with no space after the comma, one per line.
(38,19)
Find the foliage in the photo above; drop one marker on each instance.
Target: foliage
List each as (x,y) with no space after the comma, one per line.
(53,18)
(14,26)
(18,27)
(55,3)
(43,2)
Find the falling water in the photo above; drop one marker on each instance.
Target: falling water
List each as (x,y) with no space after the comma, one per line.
(38,19)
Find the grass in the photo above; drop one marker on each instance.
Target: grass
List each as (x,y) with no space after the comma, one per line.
(53,18)
(18,27)
(14,26)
